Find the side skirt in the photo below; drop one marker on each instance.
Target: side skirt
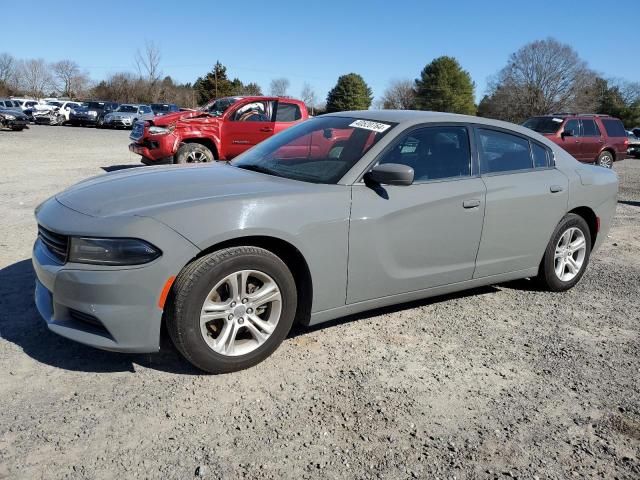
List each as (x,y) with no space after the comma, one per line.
(333,313)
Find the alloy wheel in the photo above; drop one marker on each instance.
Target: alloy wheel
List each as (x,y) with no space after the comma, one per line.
(196,157)
(570,254)
(240,313)
(606,161)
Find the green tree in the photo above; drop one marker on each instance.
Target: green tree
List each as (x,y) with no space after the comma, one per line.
(214,84)
(444,86)
(350,93)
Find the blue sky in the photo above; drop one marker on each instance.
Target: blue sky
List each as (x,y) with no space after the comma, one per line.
(311,41)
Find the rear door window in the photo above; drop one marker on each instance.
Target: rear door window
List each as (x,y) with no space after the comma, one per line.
(503,152)
(540,156)
(590,128)
(614,127)
(288,112)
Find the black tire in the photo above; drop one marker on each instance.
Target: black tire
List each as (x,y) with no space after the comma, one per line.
(17,129)
(605,159)
(100,122)
(193,285)
(547,276)
(193,153)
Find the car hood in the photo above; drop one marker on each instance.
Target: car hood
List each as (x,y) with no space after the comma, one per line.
(15,113)
(172,118)
(139,191)
(123,114)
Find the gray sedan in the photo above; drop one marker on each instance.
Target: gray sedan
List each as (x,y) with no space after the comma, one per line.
(339,214)
(126,115)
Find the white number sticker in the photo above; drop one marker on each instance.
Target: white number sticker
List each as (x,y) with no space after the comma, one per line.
(369,125)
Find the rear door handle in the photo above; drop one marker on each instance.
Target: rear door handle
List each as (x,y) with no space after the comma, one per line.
(473,203)
(556,188)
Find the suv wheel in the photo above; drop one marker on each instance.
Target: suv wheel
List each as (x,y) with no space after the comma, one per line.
(605,159)
(194,153)
(232,308)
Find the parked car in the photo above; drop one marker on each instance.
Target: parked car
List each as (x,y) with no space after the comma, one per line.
(54,112)
(230,255)
(164,108)
(91,112)
(26,103)
(221,130)
(634,144)
(13,119)
(590,138)
(10,104)
(636,131)
(126,115)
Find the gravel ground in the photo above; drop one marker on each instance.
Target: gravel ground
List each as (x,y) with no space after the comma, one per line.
(502,381)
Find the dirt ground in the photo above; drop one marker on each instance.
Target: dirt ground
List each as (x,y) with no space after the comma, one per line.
(499,382)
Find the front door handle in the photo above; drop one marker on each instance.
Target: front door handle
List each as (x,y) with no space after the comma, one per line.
(555,188)
(473,203)
(266,129)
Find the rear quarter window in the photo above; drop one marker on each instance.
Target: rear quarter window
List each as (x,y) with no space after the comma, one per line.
(614,127)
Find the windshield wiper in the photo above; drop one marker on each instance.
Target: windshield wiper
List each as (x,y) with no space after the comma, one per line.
(259,169)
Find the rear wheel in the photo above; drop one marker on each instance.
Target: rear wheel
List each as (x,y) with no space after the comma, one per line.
(605,159)
(567,254)
(232,308)
(194,153)
(17,129)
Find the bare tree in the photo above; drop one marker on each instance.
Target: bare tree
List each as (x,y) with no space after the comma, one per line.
(70,80)
(308,96)
(7,68)
(35,77)
(279,86)
(542,77)
(148,62)
(399,95)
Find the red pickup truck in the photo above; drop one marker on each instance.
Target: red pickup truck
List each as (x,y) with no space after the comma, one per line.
(220,130)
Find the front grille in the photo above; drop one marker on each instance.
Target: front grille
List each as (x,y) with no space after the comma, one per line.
(55,243)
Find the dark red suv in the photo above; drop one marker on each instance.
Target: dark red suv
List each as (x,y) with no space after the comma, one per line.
(590,138)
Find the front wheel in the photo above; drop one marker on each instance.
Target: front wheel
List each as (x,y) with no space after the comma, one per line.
(231,309)
(567,255)
(17,129)
(193,153)
(605,159)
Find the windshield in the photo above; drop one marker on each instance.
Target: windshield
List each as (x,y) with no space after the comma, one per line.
(219,106)
(92,105)
(544,124)
(127,109)
(320,150)
(159,108)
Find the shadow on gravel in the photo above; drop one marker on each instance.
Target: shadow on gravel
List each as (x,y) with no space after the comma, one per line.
(21,324)
(115,168)
(633,203)
(300,330)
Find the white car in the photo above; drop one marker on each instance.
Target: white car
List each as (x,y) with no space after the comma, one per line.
(53,112)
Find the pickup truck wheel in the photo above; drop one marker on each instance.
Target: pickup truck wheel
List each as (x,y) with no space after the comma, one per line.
(193,153)
(232,308)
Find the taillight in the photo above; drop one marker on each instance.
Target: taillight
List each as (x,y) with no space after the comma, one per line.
(626,142)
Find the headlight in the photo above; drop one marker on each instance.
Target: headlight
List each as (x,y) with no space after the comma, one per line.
(159,130)
(9,117)
(112,251)
(92,112)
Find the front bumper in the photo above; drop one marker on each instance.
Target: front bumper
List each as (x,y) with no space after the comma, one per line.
(18,122)
(118,122)
(83,119)
(156,150)
(634,150)
(112,308)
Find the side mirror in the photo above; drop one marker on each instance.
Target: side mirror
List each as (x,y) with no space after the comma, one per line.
(566,133)
(390,174)
(327,133)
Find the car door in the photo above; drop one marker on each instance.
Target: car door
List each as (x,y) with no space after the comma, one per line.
(591,140)
(570,138)
(526,198)
(409,238)
(247,125)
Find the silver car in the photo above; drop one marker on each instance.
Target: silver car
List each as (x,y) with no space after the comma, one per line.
(339,214)
(126,115)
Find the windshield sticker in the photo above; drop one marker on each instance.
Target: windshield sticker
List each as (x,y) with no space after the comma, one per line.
(558,120)
(369,125)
